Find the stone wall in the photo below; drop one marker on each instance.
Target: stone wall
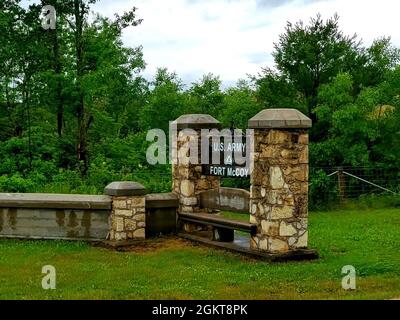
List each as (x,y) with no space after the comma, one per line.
(52,216)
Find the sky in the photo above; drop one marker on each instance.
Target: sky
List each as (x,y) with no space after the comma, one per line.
(234,38)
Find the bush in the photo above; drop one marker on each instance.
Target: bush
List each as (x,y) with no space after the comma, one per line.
(16,183)
(322,191)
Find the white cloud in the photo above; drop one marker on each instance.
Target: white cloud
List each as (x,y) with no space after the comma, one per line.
(232,38)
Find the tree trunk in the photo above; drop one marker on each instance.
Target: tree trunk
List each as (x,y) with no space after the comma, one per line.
(81,114)
(58,72)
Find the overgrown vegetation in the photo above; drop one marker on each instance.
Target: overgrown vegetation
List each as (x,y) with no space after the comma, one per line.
(75,109)
(173,269)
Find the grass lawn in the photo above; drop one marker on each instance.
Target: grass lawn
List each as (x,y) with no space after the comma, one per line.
(176,269)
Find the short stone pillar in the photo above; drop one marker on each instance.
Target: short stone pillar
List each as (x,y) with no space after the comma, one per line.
(187,179)
(279,180)
(128,216)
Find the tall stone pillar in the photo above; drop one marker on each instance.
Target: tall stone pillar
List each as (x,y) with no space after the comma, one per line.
(187,179)
(128,216)
(279,180)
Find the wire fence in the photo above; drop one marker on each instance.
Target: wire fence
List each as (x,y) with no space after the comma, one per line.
(325,183)
(352,182)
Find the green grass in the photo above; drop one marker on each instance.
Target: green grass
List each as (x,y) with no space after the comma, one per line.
(175,269)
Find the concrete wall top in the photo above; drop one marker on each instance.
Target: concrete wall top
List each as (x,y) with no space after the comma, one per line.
(280,118)
(162,200)
(196,121)
(125,188)
(54,201)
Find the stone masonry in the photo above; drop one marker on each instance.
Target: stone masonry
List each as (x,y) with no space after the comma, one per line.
(188,181)
(128,216)
(279,181)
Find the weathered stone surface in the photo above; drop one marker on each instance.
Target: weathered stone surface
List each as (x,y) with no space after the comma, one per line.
(263,244)
(139,217)
(196,121)
(270,228)
(187,188)
(277,137)
(139,233)
(189,201)
(125,188)
(141,224)
(54,201)
(303,157)
(302,241)
(188,181)
(253,219)
(292,240)
(130,224)
(287,229)
(187,209)
(303,138)
(272,197)
(282,212)
(277,245)
(127,213)
(123,212)
(254,243)
(253,208)
(277,181)
(120,236)
(138,202)
(280,118)
(119,224)
(120,204)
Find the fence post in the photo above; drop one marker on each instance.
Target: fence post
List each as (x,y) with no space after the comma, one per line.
(341,184)
(279,180)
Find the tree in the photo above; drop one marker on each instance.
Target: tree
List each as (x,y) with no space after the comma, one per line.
(205,96)
(240,105)
(165,101)
(273,90)
(310,55)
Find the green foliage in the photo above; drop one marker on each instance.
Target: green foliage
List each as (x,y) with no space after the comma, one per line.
(164,103)
(75,110)
(206,96)
(310,55)
(321,190)
(240,105)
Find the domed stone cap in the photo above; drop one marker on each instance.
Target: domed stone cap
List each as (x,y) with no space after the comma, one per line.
(196,121)
(125,188)
(280,118)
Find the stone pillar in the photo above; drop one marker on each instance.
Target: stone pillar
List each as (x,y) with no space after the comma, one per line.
(128,216)
(279,181)
(187,179)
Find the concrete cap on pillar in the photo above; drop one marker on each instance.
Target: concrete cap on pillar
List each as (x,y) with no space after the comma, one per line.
(280,118)
(196,121)
(125,188)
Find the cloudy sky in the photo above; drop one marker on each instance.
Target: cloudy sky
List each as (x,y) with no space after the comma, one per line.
(232,38)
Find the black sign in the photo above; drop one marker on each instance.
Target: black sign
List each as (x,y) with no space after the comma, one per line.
(227,157)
